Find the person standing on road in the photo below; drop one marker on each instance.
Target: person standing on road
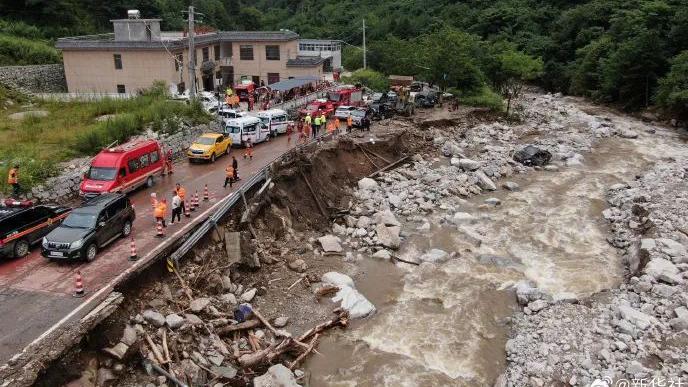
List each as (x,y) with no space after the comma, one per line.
(176,207)
(365,122)
(307,120)
(323,122)
(336,124)
(229,176)
(235,166)
(13,180)
(349,123)
(249,150)
(168,163)
(181,191)
(290,131)
(316,125)
(161,211)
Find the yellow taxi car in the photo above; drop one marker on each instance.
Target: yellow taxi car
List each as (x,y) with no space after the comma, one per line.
(209,146)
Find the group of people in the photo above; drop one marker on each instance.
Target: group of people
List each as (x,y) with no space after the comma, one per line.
(178,206)
(310,127)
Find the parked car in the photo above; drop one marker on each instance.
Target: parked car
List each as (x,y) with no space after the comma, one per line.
(343,112)
(275,119)
(227,112)
(89,228)
(23,224)
(123,168)
(246,128)
(209,146)
(244,88)
(357,116)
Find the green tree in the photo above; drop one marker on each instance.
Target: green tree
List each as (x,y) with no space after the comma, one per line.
(673,88)
(369,78)
(352,58)
(515,69)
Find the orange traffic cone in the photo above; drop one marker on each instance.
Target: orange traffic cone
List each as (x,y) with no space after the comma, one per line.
(205,193)
(133,256)
(78,286)
(160,233)
(187,211)
(195,202)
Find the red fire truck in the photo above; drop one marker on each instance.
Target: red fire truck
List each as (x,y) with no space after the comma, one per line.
(346,96)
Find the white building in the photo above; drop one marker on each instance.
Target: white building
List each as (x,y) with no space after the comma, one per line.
(330,50)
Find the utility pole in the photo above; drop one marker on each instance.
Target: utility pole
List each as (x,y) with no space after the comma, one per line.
(364,47)
(192,55)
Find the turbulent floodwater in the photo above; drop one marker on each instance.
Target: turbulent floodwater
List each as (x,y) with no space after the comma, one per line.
(447,324)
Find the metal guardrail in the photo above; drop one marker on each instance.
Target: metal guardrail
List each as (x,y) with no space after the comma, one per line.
(226,204)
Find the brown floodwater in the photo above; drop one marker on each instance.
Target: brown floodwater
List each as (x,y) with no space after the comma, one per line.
(447,324)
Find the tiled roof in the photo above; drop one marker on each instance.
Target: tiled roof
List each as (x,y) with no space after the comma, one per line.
(305,61)
(107,41)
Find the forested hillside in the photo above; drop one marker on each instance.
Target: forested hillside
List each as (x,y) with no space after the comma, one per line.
(627,52)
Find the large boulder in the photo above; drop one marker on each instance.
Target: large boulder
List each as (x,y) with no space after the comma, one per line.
(639,319)
(351,300)
(435,256)
(663,270)
(330,243)
(277,376)
(469,165)
(532,156)
(388,236)
(367,184)
(386,217)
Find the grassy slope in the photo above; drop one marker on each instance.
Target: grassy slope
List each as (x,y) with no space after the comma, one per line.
(71,130)
(16,50)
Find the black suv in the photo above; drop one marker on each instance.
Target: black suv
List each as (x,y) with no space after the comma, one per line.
(90,227)
(22,225)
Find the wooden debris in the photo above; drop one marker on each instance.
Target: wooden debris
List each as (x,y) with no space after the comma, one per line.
(250,324)
(326,290)
(305,353)
(156,351)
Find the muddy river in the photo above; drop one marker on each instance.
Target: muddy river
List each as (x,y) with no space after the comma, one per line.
(446,325)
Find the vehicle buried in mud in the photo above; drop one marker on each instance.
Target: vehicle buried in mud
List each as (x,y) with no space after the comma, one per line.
(533,156)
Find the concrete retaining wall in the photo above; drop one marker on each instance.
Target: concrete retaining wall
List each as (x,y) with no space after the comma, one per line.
(34,78)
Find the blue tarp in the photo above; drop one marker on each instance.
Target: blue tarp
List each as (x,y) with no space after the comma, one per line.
(289,84)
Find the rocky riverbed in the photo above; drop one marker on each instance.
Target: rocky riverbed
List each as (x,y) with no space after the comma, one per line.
(544,266)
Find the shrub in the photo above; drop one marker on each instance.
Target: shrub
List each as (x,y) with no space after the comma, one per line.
(485,97)
(21,51)
(368,78)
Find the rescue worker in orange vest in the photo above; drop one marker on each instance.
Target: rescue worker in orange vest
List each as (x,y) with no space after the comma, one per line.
(229,176)
(181,192)
(249,150)
(13,180)
(161,211)
(349,123)
(290,131)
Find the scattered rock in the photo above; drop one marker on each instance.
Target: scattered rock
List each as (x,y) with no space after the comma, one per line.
(367,184)
(351,300)
(628,133)
(118,351)
(248,295)
(33,113)
(382,254)
(493,202)
(277,376)
(298,265)
(435,256)
(663,270)
(388,236)
(199,304)
(485,182)
(532,156)
(154,318)
(330,243)
(281,322)
(174,321)
(510,185)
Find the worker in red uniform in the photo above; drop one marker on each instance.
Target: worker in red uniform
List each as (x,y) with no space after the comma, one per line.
(290,131)
(168,163)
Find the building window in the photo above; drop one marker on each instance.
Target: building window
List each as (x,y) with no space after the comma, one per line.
(273,78)
(121,89)
(272,53)
(206,54)
(216,51)
(246,52)
(178,62)
(118,61)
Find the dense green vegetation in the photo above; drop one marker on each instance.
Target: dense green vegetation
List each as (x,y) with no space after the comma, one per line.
(22,44)
(71,129)
(615,51)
